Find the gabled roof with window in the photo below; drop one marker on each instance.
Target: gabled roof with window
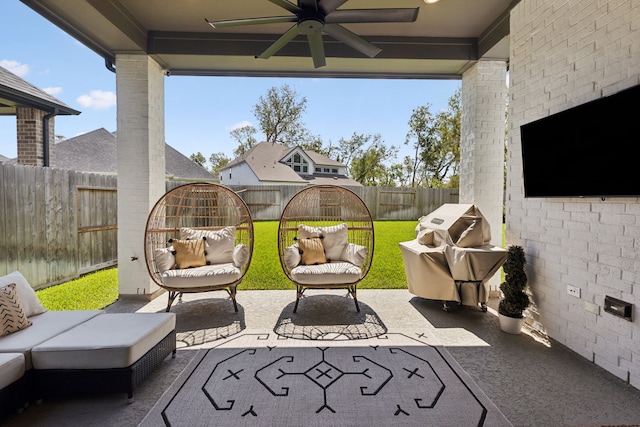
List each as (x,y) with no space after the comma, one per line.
(268,161)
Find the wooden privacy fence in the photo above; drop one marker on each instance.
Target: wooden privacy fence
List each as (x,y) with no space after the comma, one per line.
(266,202)
(56,224)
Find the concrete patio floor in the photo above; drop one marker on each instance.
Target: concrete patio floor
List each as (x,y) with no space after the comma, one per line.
(534,381)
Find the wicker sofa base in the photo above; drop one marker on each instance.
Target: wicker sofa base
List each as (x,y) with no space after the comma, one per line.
(16,396)
(117,380)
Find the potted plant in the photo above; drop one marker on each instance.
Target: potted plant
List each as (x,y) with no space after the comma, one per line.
(514,298)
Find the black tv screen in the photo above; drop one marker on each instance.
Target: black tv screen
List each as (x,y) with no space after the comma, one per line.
(585,151)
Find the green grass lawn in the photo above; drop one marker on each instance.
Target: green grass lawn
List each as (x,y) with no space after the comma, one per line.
(387,269)
(98,290)
(90,292)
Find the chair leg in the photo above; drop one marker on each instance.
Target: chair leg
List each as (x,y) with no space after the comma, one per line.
(172,297)
(355,298)
(232,293)
(299,291)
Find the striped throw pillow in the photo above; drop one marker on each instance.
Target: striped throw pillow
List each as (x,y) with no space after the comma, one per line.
(12,316)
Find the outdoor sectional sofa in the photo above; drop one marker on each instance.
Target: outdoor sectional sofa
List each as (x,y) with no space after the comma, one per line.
(44,352)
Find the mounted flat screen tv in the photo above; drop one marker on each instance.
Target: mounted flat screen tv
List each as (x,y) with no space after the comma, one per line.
(586,151)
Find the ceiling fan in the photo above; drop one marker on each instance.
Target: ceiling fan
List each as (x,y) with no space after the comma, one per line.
(315,17)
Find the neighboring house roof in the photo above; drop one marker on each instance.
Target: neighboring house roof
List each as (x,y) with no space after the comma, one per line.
(319,159)
(16,92)
(266,161)
(4,159)
(96,151)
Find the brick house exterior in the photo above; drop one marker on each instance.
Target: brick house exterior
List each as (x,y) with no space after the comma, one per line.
(35,112)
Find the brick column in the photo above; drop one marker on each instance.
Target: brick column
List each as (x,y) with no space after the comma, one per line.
(141,165)
(482,143)
(30,136)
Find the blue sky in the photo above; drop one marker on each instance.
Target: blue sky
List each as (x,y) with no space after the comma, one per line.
(200,111)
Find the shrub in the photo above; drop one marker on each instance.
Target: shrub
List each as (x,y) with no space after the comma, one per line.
(515,299)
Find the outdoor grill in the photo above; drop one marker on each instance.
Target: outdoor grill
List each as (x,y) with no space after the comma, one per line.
(451,259)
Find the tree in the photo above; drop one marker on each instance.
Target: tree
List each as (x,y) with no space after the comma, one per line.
(199,159)
(279,115)
(347,148)
(366,157)
(218,161)
(244,136)
(436,141)
(422,135)
(402,173)
(315,144)
(448,129)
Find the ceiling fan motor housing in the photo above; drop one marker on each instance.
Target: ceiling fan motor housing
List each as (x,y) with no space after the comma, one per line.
(311,26)
(311,20)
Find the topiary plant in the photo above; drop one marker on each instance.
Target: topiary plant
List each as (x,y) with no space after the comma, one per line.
(515,300)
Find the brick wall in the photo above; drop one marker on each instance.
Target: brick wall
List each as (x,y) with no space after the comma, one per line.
(30,136)
(141,164)
(565,53)
(482,144)
(482,141)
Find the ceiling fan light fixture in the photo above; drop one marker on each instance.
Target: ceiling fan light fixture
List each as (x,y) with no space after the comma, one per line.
(431,1)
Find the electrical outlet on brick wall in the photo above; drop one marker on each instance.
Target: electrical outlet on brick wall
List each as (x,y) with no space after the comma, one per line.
(574,291)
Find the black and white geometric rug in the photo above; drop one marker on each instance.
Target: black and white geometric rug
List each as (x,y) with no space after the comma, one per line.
(260,378)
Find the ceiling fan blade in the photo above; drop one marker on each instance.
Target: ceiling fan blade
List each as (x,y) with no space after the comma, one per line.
(328,6)
(351,39)
(279,44)
(363,16)
(317,49)
(308,5)
(287,5)
(251,21)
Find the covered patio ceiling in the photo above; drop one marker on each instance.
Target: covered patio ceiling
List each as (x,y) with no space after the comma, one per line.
(445,40)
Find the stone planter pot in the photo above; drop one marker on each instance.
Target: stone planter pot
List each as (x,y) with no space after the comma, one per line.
(511,325)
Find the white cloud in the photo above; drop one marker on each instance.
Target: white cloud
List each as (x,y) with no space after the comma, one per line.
(240,125)
(15,67)
(98,99)
(53,90)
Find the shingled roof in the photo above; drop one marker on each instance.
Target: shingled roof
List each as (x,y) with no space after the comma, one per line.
(266,161)
(16,92)
(96,152)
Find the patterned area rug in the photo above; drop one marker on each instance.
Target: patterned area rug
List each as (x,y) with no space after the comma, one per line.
(262,378)
(329,317)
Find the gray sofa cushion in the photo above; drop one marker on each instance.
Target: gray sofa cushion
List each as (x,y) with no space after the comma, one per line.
(44,326)
(114,340)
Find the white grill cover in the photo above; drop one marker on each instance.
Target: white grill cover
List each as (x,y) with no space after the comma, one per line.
(452,245)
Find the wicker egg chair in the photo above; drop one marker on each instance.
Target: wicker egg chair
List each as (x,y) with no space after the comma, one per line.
(199,209)
(329,210)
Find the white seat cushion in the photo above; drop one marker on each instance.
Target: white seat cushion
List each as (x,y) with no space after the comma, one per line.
(11,368)
(208,275)
(333,273)
(44,326)
(114,340)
